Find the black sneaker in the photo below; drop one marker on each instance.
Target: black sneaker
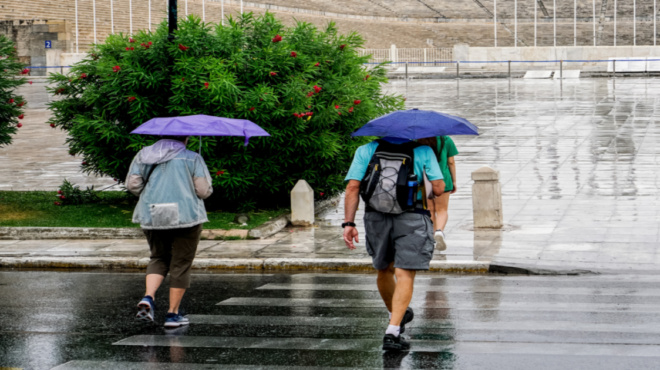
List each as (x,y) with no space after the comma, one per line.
(392,343)
(407,317)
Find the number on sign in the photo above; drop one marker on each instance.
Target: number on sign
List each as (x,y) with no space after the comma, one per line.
(49,44)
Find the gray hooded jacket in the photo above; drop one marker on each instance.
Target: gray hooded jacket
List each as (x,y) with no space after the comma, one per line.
(172,196)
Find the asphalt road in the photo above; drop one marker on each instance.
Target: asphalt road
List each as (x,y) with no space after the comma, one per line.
(76,320)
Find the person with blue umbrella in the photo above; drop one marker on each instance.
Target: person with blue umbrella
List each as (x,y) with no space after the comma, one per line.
(389,175)
(172,183)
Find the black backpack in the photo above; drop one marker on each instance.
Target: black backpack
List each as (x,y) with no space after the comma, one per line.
(390,184)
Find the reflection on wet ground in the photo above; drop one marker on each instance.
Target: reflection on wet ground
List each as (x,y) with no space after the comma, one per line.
(291,321)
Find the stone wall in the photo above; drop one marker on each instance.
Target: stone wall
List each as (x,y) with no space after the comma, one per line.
(30,37)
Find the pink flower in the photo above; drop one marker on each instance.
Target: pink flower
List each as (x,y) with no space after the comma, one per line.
(150,43)
(219,173)
(183,48)
(10,101)
(20,104)
(273,73)
(30,82)
(52,125)
(84,163)
(131,98)
(21,116)
(131,40)
(62,197)
(366,77)
(116,68)
(84,75)
(317,64)
(337,107)
(356,102)
(251,109)
(342,46)
(350,110)
(294,54)
(25,71)
(19,125)
(317,89)
(309,94)
(57,203)
(59,192)
(296,115)
(277,38)
(321,194)
(206,85)
(128,48)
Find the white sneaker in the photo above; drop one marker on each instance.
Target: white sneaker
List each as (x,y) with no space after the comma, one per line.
(440,240)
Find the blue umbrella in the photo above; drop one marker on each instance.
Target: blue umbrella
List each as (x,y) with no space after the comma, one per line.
(415,124)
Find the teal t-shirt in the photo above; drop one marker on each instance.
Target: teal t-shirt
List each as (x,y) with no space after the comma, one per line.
(445,149)
(425,161)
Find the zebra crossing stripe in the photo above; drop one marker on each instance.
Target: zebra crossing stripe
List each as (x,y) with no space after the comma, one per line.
(374,345)
(124,365)
(419,288)
(458,326)
(421,303)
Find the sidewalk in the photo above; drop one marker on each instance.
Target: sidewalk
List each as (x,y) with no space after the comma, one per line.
(578,167)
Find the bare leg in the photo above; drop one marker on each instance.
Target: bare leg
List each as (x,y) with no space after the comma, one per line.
(402,294)
(386,285)
(153,282)
(176,295)
(441,204)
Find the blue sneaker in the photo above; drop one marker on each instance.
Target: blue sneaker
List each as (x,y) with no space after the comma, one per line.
(146,309)
(174,320)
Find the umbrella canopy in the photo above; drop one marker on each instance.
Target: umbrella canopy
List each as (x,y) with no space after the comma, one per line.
(200,125)
(415,124)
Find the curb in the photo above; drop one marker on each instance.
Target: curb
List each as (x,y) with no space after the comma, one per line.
(233,264)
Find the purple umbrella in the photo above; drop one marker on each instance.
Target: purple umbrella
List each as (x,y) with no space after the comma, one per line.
(200,125)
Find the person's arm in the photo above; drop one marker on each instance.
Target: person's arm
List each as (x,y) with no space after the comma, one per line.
(452,170)
(350,208)
(438,187)
(202,179)
(134,179)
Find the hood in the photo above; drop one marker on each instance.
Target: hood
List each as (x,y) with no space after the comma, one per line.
(161,152)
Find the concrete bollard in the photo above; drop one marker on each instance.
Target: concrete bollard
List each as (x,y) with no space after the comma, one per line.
(487,199)
(302,204)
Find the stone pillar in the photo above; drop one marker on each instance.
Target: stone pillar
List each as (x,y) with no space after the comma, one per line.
(487,199)
(393,54)
(302,204)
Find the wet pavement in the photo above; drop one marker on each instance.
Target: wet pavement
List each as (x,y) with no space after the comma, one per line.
(577,164)
(83,320)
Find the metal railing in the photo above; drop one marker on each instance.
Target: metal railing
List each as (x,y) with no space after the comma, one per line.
(408,55)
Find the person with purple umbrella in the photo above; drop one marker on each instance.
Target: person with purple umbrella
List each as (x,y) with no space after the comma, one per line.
(171,182)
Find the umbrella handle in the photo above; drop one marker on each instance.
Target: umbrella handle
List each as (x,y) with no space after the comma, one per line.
(200,146)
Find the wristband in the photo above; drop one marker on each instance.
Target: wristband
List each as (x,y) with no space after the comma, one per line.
(352,224)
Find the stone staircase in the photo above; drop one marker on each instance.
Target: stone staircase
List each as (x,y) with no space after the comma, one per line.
(408,23)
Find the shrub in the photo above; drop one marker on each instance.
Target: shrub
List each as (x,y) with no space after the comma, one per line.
(71,194)
(11,105)
(308,88)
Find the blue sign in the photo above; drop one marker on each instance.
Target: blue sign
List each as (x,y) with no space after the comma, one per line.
(49,44)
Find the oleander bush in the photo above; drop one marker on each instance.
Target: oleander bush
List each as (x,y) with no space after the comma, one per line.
(307,87)
(11,104)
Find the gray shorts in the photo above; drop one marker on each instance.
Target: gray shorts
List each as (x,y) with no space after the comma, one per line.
(405,239)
